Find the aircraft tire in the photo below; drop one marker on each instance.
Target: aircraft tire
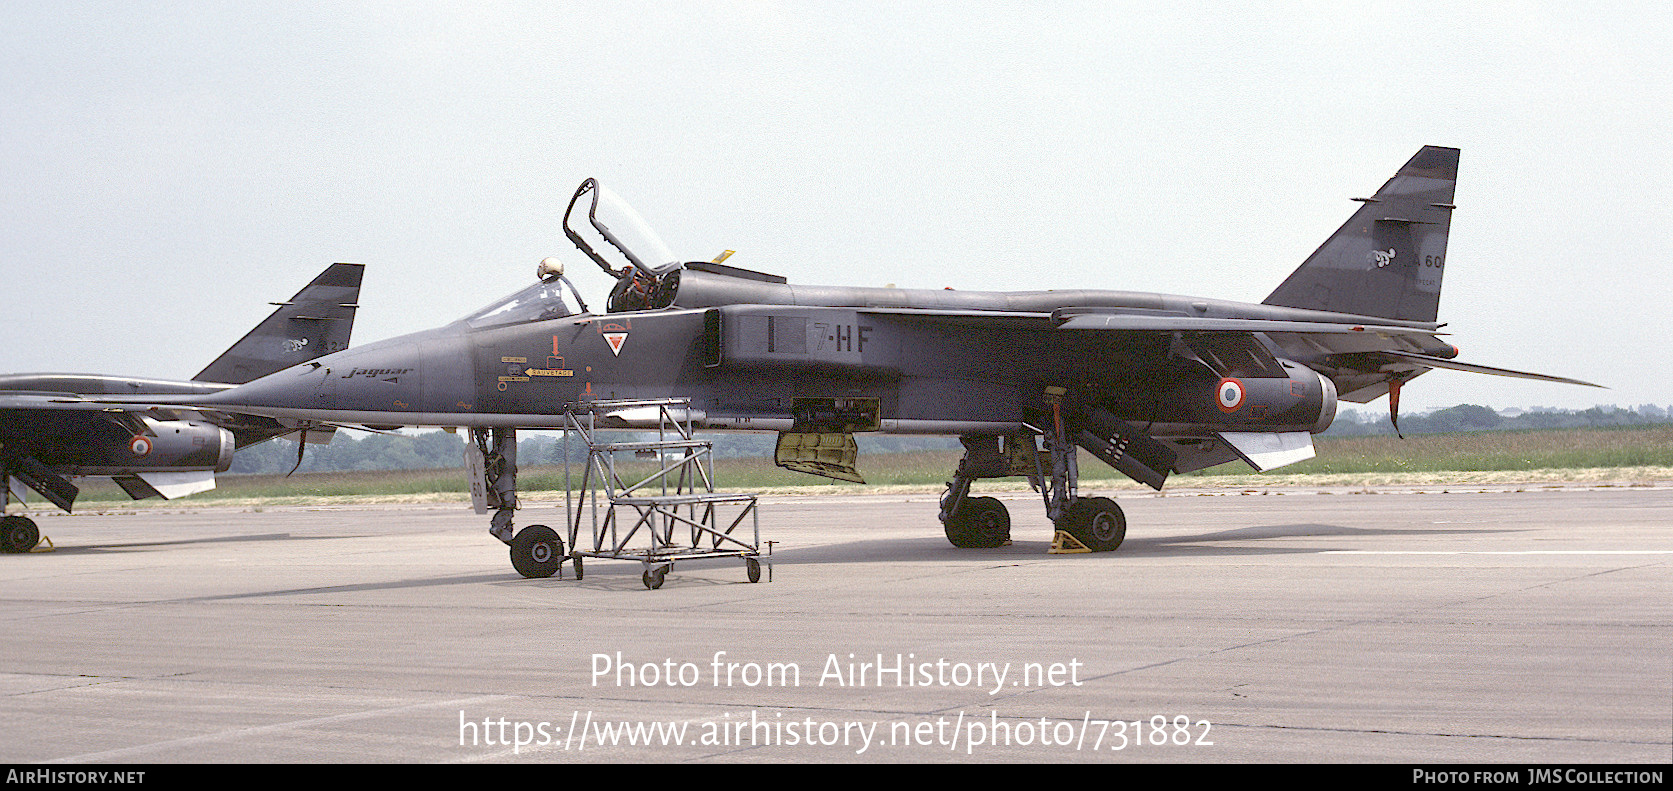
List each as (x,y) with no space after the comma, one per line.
(1096,522)
(752,567)
(536,551)
(981,523)
(18,534)
(653,577)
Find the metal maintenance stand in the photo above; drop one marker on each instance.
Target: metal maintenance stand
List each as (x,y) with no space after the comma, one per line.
(673,512)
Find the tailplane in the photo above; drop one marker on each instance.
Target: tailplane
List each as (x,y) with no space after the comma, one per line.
(1388,259)
(315,322)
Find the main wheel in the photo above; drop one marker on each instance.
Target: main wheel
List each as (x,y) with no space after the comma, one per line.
(18,534)
(653,577)
(752,567)
(536,551)
(979,523)
(1096,522)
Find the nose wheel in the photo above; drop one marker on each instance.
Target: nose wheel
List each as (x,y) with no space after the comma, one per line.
(536,551)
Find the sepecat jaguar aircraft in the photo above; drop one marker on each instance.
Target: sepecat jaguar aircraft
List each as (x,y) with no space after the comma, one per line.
(1151,384)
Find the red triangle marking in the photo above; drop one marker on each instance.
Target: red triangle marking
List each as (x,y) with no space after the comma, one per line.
(615,339)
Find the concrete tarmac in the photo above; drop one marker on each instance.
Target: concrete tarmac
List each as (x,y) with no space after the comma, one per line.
(1482,624)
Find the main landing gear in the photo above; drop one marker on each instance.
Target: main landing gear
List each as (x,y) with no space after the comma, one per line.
(1097,523)
(983,522)
(18,534)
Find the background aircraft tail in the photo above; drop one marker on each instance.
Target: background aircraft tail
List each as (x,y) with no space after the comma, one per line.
(315,322)
(1387,260)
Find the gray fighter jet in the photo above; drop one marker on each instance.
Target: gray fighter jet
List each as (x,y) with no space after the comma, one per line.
(50,432)
(1151,384)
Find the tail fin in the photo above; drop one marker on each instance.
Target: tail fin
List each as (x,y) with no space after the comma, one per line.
(315,322)
(1388,259)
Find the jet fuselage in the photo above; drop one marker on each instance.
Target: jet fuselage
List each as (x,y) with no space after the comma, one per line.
(899,367)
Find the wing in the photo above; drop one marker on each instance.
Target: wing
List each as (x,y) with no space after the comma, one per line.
(1362,357)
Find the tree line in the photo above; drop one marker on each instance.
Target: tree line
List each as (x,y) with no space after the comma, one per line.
(1471,417)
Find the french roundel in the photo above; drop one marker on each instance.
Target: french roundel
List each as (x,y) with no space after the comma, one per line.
(1229,394)
(140,446)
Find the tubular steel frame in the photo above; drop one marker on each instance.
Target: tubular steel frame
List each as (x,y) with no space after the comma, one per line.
(674,508)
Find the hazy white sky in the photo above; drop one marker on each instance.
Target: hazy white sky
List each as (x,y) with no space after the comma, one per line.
(170,168)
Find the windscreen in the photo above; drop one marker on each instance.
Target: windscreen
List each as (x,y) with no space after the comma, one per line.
(538,302)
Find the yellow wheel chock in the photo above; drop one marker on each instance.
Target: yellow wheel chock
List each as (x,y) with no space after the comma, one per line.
(1065,544)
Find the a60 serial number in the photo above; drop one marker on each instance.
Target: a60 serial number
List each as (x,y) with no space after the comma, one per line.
(1158,731)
